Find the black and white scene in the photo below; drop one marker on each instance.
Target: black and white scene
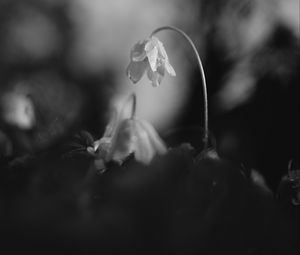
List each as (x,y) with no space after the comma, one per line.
(149,127)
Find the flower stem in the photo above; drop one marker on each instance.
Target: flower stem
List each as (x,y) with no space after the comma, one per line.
(204,87)
(131,99)
(133,106)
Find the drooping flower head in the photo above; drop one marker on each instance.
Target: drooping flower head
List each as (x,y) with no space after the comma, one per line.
(149,55)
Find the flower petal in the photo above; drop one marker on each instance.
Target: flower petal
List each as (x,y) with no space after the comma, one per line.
(136,70)
(102,147)
(169,68)
(157,143)
(123,141)
(161,49)
(112,124)
(161,70)
(138,52)
(152,58)
(143,149)
(150,45)
(163,55)
(154,77)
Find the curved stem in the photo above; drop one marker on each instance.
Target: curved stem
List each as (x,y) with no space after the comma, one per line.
(204,87)
(133,106)
(132,99)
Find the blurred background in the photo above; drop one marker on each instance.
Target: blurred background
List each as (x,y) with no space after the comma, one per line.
(62,69)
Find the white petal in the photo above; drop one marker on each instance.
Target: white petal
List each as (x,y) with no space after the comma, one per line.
(170,69)
(162,50)
(122,141)
(143,151)
(157,143)
(112,125)
(152,58)
(150,45)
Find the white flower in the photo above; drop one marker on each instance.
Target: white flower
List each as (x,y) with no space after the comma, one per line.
(124,137)
(149,55)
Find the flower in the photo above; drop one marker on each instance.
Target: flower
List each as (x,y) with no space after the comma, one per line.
(138,137)
(149,55)
(125,137)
